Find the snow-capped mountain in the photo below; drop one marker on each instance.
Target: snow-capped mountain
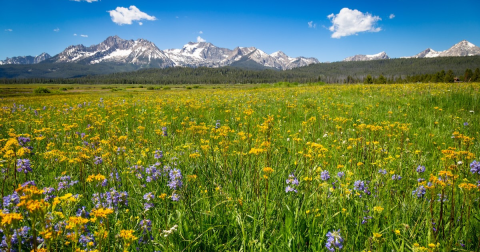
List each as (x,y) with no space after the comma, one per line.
(115,49)
(463,48)
(206,54)
(361,57)
(25,59)
(427,53)
(141,52)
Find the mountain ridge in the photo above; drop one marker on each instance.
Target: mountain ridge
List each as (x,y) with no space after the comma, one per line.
(144,53)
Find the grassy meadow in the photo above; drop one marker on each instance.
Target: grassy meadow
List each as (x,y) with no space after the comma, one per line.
(241,168)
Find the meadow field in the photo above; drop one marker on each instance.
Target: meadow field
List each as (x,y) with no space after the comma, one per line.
(252,168)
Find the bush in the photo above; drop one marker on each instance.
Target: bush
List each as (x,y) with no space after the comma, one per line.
(150,88)
(41,90)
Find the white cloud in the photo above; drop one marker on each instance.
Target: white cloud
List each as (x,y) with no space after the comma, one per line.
(349,22)
(85,36)
(89,1)
(8,30)
(140,23)
(312,25)
(123,15)
(74,34)
(392,16)
(200,39)
(56,30)
(200,32)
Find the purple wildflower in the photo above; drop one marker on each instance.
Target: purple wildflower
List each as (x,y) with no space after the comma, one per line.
(341,174)
(175,197)
(325,175)
(359,185)
(97,160)
(23,165)
(475,167)
(334,241)
(290,189)
(384,172)
(421,169)
(420,191)
(158,154)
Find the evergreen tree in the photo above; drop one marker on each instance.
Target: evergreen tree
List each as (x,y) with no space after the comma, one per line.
(449,77)
(368,80)
(476,75)
(468,75)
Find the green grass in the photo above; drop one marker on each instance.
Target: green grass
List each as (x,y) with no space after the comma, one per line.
(223,141)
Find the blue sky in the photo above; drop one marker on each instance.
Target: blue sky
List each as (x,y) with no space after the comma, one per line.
(327,30)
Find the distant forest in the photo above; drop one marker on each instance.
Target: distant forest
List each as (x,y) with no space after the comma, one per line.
(444,69)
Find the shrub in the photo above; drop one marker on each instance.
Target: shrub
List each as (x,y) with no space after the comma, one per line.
(41,90)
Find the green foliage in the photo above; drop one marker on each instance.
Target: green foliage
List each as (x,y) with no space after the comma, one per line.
(244,72)
(41,90)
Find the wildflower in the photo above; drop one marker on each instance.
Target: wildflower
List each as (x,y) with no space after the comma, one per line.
(292,179)
(175,176)
(341,174)
(396,177)
(82,212)
(359,185)
(377,235)
(421,169)
(101,212)
(420,191)
(128,237)
(378,209)
(465,124)
(290,189)
(217,125)
(164,131)
(325,175)
(97,160)
(158,154)
(384,172)
(397,232)
(334,241)
(475,167)
(175,197)
(23,165)
(365,219)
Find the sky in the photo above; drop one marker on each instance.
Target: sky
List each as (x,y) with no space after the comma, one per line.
(327,30)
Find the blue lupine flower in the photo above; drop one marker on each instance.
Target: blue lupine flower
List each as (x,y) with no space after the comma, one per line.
(359,185)
(290,189)
(23,165)
(97,160)
(420,191)
(292,179)
(475,167)
(325,175)
(175,197)
(334,241)
(158,154)
(384,172)
(396,177)
(421,169)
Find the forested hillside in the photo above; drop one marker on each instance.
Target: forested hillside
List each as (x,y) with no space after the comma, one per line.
(377,71)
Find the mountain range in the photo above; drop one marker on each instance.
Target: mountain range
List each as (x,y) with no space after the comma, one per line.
(143,53)
(463,48)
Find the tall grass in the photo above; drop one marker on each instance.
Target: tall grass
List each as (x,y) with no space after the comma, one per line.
(203,170)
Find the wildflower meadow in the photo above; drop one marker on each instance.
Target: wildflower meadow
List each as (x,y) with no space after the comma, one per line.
(304,168)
